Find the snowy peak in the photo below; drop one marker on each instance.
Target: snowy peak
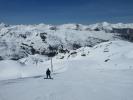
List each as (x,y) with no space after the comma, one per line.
(106,25)
(2,25)
(70,26)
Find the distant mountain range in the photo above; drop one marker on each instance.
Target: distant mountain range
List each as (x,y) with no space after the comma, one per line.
(19,41)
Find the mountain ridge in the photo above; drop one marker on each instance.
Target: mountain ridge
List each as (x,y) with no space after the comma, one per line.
(19,41)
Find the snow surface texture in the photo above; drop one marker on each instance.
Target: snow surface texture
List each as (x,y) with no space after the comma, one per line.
(104,73)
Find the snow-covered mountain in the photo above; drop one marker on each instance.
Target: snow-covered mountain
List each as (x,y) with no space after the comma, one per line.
(92,62)
(106,25)
(19,41)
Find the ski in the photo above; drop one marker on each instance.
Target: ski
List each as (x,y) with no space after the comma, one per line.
(48,78)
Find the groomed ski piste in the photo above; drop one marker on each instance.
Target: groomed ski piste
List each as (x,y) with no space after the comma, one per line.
(104,73)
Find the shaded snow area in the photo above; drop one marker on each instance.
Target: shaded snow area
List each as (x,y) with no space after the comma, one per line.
(103,72)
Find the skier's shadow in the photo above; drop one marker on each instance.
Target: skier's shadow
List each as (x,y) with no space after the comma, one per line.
(38,76)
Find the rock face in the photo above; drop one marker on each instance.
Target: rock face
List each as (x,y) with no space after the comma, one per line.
(122,30)
(126,33)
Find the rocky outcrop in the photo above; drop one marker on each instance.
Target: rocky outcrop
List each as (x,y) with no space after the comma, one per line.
(125,33)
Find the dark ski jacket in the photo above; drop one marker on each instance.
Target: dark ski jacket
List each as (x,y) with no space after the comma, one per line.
(48,72)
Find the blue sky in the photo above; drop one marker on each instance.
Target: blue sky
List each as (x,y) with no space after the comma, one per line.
(65,11)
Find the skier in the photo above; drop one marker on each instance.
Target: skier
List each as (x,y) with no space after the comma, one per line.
(48,73)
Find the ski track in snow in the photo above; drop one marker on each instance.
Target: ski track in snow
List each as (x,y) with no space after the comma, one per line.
(78,82)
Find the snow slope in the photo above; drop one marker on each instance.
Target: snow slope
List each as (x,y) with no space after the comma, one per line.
(101,72)
(10,69)
(114,54)
(104,54)
(83,79)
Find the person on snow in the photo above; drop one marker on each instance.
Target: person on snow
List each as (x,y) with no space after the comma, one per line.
(48,73)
